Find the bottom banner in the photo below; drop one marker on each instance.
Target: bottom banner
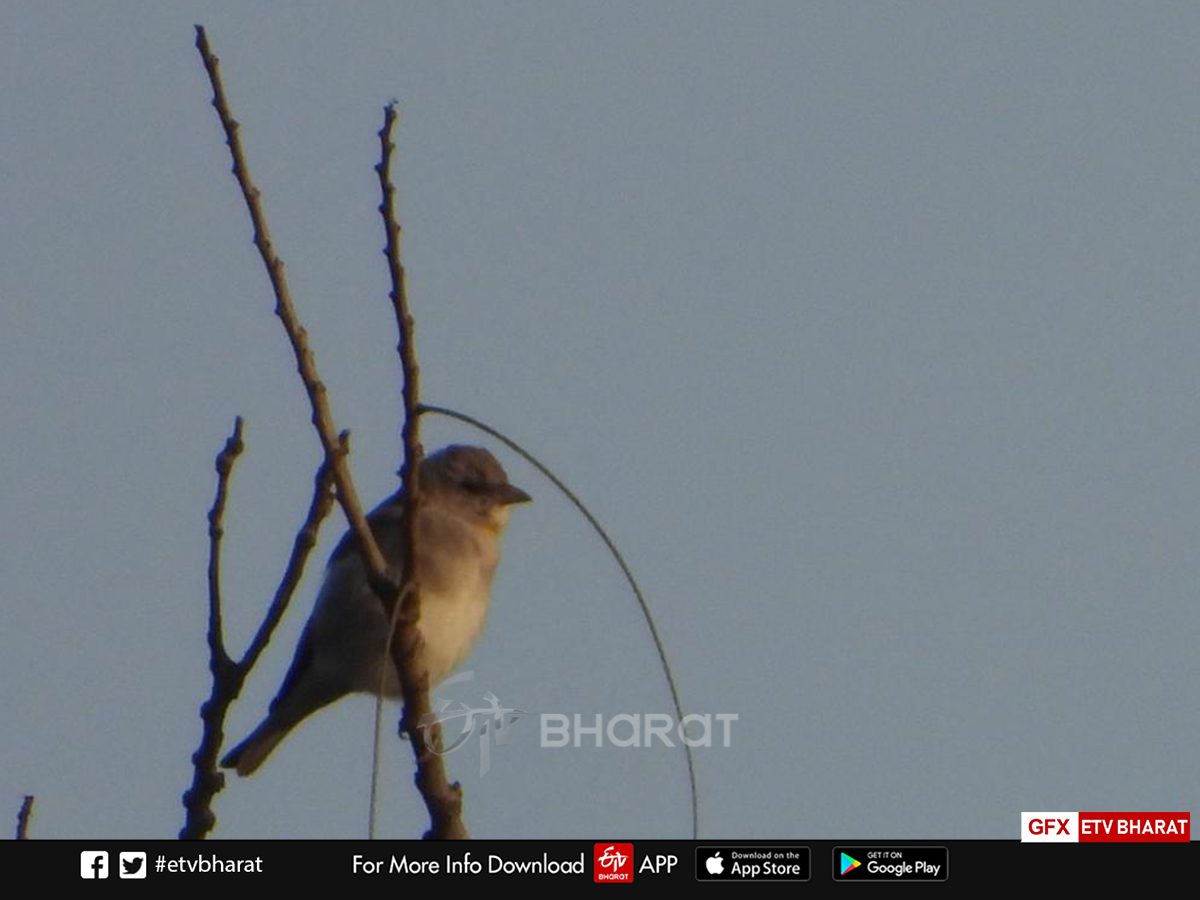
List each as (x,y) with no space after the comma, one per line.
(661,863)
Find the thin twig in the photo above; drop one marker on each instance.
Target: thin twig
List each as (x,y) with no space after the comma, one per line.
(322,415)
(637,591)
(225,460)
(306,539)
(442,799)
(226,679)
(23,818)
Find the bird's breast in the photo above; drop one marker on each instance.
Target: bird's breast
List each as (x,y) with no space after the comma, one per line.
(455,563)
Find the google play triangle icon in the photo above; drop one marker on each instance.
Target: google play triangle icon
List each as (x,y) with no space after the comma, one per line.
(848,863)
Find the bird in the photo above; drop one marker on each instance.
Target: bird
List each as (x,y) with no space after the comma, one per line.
(464,507)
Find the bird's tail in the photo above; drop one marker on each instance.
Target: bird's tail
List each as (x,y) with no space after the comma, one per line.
(251,753)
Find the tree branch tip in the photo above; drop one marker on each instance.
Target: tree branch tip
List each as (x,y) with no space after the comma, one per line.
(24,816)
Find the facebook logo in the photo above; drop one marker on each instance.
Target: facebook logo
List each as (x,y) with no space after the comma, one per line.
(93,864)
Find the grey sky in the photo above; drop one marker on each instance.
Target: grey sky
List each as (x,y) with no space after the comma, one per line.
(869,330)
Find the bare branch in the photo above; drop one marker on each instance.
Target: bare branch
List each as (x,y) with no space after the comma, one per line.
(322,415)
(23,818)
(442,799)
(230,676)
(225,460)
(306,539)
(226,677)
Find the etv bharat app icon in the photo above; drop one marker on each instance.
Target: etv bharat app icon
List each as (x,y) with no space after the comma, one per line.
(613,863)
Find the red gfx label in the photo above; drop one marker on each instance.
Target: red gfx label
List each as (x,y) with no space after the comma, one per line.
(613,863)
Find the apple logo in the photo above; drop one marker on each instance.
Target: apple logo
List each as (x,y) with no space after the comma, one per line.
(715,864)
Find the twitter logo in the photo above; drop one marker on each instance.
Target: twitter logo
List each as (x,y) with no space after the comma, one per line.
(133,865)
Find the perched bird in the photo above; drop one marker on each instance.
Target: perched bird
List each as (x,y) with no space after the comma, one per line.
(465,500)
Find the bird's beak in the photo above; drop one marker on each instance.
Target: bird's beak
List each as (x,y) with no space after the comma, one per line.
(509,494)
